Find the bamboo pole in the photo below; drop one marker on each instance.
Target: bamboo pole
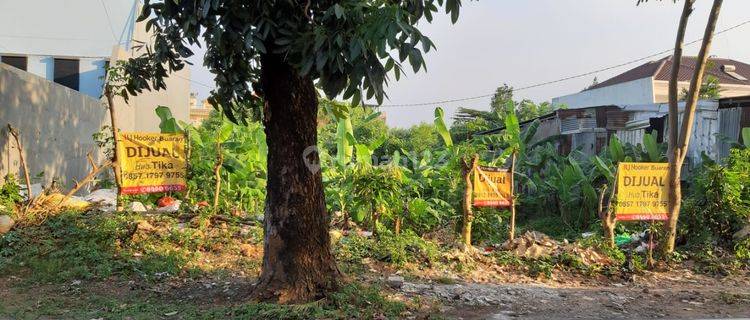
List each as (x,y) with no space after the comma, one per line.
(14,133)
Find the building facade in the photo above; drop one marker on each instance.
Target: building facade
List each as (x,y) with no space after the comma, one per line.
(648,83)
(54,56)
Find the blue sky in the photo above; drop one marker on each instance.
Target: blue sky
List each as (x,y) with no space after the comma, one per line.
(527,42)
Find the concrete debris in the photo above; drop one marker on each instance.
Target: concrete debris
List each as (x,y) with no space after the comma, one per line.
(136,206)
(6,223)
(36,190)
(174,207)
(532,244)
(104,199)
(480,294)
(395,281)
(535,245)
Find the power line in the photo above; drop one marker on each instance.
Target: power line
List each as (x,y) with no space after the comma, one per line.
(194,81)
(109,21)
(561,79)
(50,38)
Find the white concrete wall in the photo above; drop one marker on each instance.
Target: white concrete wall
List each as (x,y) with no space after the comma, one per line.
(140,115)
(56,125)
(71,28)
(91,72)
(87,30)
(661,90)
(639,91)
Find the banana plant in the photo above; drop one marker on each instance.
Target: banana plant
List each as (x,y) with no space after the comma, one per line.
(232,159)
(167,124)
(343,149)
(442,128)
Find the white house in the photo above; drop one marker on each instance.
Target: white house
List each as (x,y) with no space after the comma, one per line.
(54,56)
(71,43)
(648,83)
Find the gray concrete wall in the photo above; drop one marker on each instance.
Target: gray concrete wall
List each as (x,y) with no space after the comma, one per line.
(55,123)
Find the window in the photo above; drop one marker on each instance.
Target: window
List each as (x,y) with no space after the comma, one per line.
(66,73)
(18,62)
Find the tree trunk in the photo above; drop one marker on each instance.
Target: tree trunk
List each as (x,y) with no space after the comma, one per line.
(512,231)
(678,144)
(116,138)
(607,217)
(468,213)
(298,265)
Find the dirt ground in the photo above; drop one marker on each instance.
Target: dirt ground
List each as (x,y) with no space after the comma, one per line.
(531,302)
(676,294)
(465,286)
(663,295)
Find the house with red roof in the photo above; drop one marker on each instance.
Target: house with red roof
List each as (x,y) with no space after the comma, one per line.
(635,103)
(648,83)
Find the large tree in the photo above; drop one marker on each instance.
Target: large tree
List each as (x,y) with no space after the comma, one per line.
(271,53)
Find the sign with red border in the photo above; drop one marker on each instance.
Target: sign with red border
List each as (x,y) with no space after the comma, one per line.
(492,187)
(642,191)
(152,162)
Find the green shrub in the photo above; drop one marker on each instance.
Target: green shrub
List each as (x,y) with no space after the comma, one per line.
(600,244)
(719,202)
(490,225)
(407,247)
(350,302)
(742,251)
(9,195)
(539,267)
(74,245)
(399,250)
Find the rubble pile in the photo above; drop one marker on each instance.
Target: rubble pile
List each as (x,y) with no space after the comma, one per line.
(536,245)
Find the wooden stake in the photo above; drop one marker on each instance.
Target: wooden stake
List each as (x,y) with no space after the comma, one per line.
(512,232)
(217,174)
(650,261)
(14,132)
(468,213)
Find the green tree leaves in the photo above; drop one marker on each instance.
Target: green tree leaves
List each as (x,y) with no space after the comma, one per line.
(349,46)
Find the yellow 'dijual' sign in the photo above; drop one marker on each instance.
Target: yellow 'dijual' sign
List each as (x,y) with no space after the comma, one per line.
(152,162)
(642,191)
(492,187)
